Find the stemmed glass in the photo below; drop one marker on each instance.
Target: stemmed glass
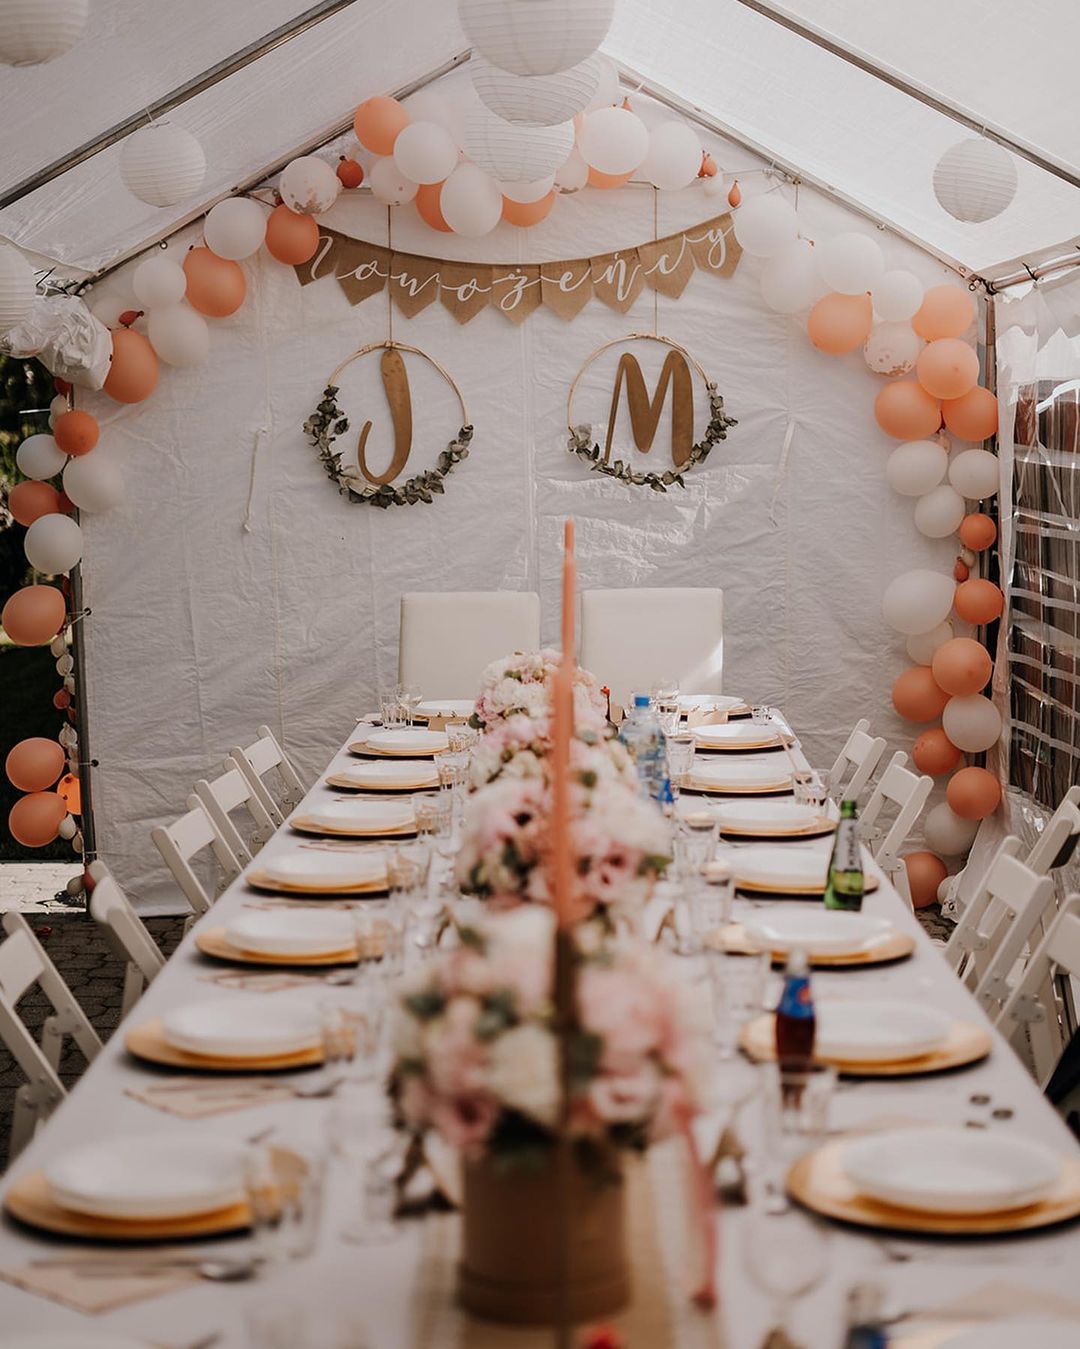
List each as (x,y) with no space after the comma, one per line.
(368,1151)
(410,696)
(787,1255)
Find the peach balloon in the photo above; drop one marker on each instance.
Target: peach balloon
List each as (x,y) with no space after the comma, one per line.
(33,615)
(947,368)
(427,206)
(839,323)
(962,666)
(290,237)
(29,501)
(946,311)
(35,819)
(906,411)
(61,699)
(917,696)
(978,601)
(215,286)
(605,180)
(526,213)
(350,173)
(133,373)
(69,791)
(972,417)
(934,753)
(378,122)
(973,793)
(977,531)
(925,872)
(76,432)
(960,571)
(33,765)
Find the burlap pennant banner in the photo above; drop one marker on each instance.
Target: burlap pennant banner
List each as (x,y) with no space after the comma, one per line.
(414,282)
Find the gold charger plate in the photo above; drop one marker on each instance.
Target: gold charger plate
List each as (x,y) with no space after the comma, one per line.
(148,1042)
(818,1181)
(304,826)
(803,891)
(816,829)
(259,880)
(745,747)
(966,1043)
(391,789)
(362,750)
(214,942)
(734,941)
(711,789)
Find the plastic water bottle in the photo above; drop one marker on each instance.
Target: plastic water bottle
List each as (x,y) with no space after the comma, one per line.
(642,736)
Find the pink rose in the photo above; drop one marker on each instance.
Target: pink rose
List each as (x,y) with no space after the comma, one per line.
(465,1121)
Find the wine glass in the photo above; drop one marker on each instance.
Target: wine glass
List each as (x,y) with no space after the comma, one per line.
(786,1255)
(410,696)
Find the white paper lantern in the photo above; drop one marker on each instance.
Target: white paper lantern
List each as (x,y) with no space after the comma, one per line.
(425,152)
(766,224)
(974,474)
(235,228)
(607,88)
(536,100)
(673,158)
(179,335)
(388,184)
(528,192)
(158,281)
(938,514)
(17,287)
(162,164)
(923,646)
(573,173)
(916,467)
(470,202)
(975,180)
(946,833)
(53,544)
(32,31)
(613,140)
(851,263)
(536,37)
(917,601)
(789,279)
(94,482)
(40,457)
(308,185)
(892,348)
(515,154)
(897,296)
(972,723)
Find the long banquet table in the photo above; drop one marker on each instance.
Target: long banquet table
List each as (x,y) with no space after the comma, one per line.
(385,1282)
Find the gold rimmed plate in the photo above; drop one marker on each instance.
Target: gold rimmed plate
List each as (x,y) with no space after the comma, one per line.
(761,890)
(766,833)
(422,782)
(965,1044)
(303,825)
(148,1042)
(896,945)
(364,751)
(215,942)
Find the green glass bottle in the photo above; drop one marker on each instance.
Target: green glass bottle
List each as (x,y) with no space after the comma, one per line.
(844,889)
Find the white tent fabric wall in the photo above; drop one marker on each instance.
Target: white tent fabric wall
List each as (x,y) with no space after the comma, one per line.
(202,628)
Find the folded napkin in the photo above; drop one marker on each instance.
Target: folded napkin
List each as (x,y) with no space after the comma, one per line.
(257,983)
(706,716)
(94,1292)
(197,1097)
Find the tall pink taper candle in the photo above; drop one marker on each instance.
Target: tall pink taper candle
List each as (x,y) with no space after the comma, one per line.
(562,730)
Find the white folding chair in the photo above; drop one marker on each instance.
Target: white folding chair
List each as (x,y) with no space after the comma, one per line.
(229,792)
(125,933)
(1027,1008)
(24,963)
(186,838)
(446,639)
(907,791)
(259,760)
(1057,843)
(856,762)
(632,639)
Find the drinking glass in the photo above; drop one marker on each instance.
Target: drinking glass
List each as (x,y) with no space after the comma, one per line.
(761,714)
(811,788)
(461,738)
(384,920)
(786,1255)
(680,756)
(665,689)
(710,902)
(284,1186)
(410,696)
(797,1103)
(363,1011)
(391,710)
(367,1153)
(738,987)
(668,714)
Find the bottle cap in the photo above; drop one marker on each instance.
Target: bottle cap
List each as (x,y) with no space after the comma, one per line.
(641,700)
(798,963)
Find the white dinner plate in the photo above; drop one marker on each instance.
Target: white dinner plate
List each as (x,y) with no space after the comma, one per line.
(75,1339)
(252,1026)
(736,735)
(783,817)
(938,1169)
(412,740)
(405,774)
(447,707)
(149,1176)
(284,932)
(870,1030)
(711,702)
(323,868)
(366,816)
(819,931)
(740,775)
(783,866)
(1031,1332)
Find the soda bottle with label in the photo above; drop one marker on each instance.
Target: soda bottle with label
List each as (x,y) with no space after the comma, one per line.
(795,1019)
(846,882)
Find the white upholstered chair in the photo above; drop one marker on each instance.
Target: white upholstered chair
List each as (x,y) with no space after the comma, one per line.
(632,639)
(1057,957)
(126,934)
(856,763)
(447,638)
(233,791)
(265,760)
(188,837)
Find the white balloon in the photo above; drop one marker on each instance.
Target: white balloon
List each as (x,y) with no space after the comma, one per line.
(425,152)
(892,348)
(974,474)
(938,514)
(916,467)
(108,307)
(40,457)
(388,184)
(235,228)
(972,723)
(764,225)
(673,158)
(57,646)
(65,664)
(897,296)
(613,140)
(607,88)
(715,186)
(428,106)
(68,827)
(573,174)
(528,192)
(179,335)
(471,202)
(309,185)
(947,833)
(851,263)
(94,482)
(53,544)
(789,279)
(159,281)
(57,408)
(923,645)
(917,601)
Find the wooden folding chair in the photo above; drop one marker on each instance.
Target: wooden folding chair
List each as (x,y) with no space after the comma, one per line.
(126,934)
(262,758)
(186,838)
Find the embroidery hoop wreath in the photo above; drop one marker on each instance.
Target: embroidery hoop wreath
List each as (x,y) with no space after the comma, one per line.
(581,443)
(326,423)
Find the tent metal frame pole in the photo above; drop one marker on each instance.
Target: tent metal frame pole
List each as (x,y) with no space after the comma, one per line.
(888,75)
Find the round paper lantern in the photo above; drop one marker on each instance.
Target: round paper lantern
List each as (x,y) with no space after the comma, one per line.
(789,279)
(972,417)
(76,432)
(526,213)
(977,531)
(34,820)
(897,296)
(33,615)
(537,100)
(934,753)
(973,793)
(947,368)
(946,311)
(613,140)
(974,474)
(925,872)
(53,544)
(573,173)
(162,164)
(291,238)
(766,224)
(179,335)
(511,153)
(673,158)
(972,723)
(34,764)
(962,666)
(526,193)
(378,122)
(938,513)
(216,286)
(29,501)
(916,695)
(605,181)
(916,601)
(979,601)
(849,263)
(975,180)
(837,323)
(32,31)
(923,645)
(388,184)
(235,228)
(946,832)
(133,371)
(916,467)
(40,457)
(905,410)
(470,202)
(427,200)
(350,172)
(17,287)
(424,152)
(94,483)
(535,37)
(309,185)
(158,281)
(892,349)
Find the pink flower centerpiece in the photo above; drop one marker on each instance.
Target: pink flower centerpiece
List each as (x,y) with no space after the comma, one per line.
(521,684)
